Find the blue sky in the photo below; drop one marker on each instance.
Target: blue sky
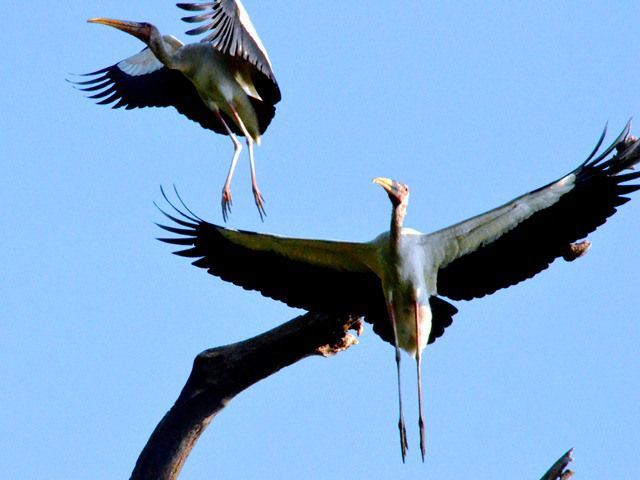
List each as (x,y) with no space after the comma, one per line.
(469,103)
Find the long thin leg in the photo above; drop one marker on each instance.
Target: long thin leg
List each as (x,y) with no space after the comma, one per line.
(259,199)
(226,190)
(418,356)
(403,431)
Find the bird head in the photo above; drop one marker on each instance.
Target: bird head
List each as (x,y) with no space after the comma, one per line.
(140,30)
(398,192)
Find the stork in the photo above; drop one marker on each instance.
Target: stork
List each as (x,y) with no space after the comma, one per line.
(396,280)
(225,82)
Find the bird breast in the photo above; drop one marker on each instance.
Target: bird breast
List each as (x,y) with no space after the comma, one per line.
(215,79)
(406,285)
(208,72)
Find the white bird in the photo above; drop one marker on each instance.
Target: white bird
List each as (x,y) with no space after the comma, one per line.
(396,279)
(225,82)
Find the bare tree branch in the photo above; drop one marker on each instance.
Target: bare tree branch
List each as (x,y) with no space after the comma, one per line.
(219,374)
(557,470)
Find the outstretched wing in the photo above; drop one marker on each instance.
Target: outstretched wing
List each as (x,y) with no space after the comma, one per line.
(231,32)
(143,81)
(521,238)
(324,276)
(317,275)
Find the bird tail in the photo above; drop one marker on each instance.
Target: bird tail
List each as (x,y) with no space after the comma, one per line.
(265,113)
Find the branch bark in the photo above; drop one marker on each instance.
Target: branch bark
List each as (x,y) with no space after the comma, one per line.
(219,374)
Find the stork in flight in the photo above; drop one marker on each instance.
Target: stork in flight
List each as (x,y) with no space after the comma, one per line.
(225,82)
(396,280)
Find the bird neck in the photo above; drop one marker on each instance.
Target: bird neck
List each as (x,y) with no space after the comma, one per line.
(160,49)
(397,219)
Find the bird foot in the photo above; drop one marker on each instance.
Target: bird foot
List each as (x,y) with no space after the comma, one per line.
(422,448)
(260,201)
(227,203)
(404,446)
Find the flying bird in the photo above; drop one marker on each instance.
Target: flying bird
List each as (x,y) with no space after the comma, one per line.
(396,280)
(225,82)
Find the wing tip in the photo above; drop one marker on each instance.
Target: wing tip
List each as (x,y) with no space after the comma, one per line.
(190,221)
(625,145)
(195,7)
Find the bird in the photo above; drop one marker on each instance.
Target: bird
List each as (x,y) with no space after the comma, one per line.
(397,280)
(225,82)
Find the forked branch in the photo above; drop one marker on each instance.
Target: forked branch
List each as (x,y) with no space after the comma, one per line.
(219,374)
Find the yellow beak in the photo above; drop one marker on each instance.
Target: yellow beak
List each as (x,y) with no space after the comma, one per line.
(137,29)
(385,183)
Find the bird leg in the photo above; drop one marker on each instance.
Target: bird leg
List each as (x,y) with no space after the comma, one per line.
(259,199)
(418,357)
(401,426)
(254,184)
(226,190)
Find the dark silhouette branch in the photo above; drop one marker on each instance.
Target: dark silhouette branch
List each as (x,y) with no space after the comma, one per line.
(219,374)
(557,470)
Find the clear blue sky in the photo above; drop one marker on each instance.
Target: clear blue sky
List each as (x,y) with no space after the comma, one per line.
(470,105)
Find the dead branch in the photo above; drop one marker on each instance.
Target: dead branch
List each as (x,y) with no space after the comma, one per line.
(557,470)
(219,374)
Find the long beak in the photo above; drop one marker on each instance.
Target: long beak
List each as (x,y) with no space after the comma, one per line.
(137,29)
(386,183)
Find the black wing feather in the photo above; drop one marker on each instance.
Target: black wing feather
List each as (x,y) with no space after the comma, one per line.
(227,32)
(295,283)
(531,247)
(162,88)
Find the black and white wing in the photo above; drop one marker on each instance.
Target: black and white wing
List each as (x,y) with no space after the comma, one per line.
(317,275)
(516,241)
(230,31)
(323,276)
(143,81)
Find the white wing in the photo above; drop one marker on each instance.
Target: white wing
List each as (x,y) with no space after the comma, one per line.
(231,31)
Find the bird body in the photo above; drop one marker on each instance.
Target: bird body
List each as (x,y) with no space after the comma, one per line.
(403,271)
(225,82)
(396,281)
(220,86)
